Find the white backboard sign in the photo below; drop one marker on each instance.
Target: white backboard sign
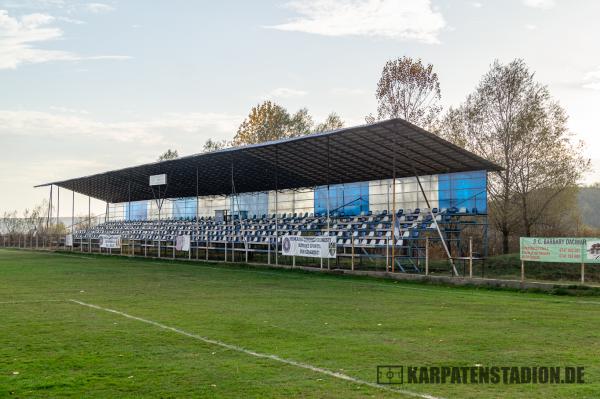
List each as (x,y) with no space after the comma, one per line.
(312,247)
(158,180)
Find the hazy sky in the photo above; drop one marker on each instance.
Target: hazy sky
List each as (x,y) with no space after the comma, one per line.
(91,86)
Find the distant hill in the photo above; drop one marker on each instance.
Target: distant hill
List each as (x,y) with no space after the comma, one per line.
(589,205)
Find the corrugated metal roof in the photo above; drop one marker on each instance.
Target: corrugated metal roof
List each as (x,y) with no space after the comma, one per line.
(360,153)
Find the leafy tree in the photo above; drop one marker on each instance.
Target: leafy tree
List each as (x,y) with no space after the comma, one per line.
(266,122)
(167,155)
(410,90)
(513,121)
(269,121)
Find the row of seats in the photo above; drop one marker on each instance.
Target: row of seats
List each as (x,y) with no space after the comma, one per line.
(363,230)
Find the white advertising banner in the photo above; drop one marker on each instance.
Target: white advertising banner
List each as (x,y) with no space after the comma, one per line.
(182,243)
(312,247)
(110,241)
(69,240)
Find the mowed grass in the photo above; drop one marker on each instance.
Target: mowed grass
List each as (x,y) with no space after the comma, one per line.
(343,324)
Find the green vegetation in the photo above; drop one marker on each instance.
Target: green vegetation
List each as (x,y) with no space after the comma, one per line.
(589,205)
(344,324)
(509,267)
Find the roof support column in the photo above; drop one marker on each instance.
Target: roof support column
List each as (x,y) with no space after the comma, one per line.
(72,212)
(57,205)
(89,224)
(49,208)
(394,207)
(328,218)
(276,206)
(197,205)
(231,209)
(128,200)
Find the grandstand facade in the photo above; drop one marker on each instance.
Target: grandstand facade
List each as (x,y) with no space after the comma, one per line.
(464,190)
(390,193)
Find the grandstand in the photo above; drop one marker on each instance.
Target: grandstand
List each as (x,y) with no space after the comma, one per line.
(392,194)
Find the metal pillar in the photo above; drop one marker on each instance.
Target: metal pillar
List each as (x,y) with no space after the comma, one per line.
(197,228)
(159,204)
(57,205)
(276,207)
(328,218)
(231,207)
(436,224)
(49,210)
(394,209)
(73,213)
(128,201)
(89,224)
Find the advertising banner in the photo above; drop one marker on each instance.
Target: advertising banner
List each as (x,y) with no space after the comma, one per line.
(69,240)
(312,247)
(182,243)
(110,241)
(560,249)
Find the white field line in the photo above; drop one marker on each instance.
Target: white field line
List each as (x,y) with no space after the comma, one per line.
(276,358)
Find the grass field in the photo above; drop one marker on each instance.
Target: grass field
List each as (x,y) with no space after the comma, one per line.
(51,346)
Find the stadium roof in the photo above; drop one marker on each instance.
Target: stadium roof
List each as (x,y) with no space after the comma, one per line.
(360,153)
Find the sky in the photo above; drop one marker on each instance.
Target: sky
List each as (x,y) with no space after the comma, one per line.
(90,86)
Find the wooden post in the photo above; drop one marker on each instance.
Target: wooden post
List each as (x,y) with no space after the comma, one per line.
(293,261)
(352,263)
(522,270)
(426,256)
(470,257)
(582,272)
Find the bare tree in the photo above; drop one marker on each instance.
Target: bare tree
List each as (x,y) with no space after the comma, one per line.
(215,145)
(512,120)
(10,222)
(410,90)
(332,122)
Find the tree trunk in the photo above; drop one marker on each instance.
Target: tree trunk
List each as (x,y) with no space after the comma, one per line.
(505,236)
